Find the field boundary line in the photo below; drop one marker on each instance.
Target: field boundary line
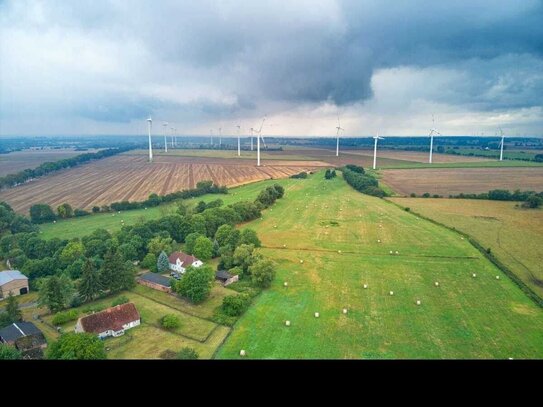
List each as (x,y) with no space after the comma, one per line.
(489,256)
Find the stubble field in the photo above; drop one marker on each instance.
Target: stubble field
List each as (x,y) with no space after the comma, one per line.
(131,177)
(453,181)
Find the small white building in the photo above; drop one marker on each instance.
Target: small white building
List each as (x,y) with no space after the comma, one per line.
(113,321)
(179,262)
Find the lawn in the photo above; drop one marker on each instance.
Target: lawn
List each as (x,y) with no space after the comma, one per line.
(149,340)
(514,235)
(464,317)
(79,227)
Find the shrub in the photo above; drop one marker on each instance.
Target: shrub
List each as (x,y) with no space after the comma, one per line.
(407,209)
(187,354)
(61,318)
(413,195)
(170,322)
(123,299)
(235,305)
(426,195)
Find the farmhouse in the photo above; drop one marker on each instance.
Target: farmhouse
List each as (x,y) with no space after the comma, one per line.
(156,282)
(225,277)
(14,282)
(179,262)
(26,337)
(113,321)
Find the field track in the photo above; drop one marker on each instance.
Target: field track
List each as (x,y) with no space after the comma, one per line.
(131,177)
(446,181)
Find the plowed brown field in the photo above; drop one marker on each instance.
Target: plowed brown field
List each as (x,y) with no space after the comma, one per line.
(130,177)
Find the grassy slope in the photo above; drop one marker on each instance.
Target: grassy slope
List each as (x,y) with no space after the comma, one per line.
(464,318)
(514,235)
(78,227)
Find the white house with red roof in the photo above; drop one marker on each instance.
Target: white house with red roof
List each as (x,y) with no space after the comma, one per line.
(179,262)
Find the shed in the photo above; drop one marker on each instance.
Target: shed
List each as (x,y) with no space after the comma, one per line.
(225,277)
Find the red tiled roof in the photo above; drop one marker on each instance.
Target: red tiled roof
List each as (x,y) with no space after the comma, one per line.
(110,319)
(185,259)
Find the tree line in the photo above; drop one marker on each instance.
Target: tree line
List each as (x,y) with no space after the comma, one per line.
(357,178)
(20,177)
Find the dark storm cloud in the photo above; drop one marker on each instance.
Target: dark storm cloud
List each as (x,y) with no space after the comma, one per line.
(213,58)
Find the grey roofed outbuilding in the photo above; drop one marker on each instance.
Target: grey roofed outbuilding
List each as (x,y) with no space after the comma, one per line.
(157,279)
(18,330)
(10,275)
(223,275)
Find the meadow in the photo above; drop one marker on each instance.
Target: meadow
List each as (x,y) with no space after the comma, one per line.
(336,231)
(514,235)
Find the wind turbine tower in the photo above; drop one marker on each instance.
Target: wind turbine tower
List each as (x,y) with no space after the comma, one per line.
(220,137)
(211,131)
(150,123)
(501,144)
(239,145)
(258,143)
(252,132)
(431,135)
(337,135)
(165,124)
(376,138)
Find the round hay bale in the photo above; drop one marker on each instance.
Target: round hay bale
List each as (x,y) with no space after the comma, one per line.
(339,251)
(436,284)
(54,221)
(242,352)
(284,245)
(275,226)
(391,293)
(287,323)
(317,315)
(391,252)
(397,252)
(285,284)
(474,275)
(365,286)
(301,262)
(119,212)
(378,240)
(345,310)
(418,302)
(497,277)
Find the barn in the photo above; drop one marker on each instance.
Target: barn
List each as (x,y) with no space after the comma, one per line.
(156,282)
(14,282)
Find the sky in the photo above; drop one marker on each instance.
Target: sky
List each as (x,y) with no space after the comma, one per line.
(383,66)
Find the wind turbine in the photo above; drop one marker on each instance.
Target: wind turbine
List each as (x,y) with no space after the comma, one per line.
(165,124)
(252,132)
(501,144)
(150,122)
(431,135)
(337,135)
(376,138)
(239,146)
(211,131)
(259,131)
(220,137)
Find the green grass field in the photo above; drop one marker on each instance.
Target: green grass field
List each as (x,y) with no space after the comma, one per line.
(149,340)
(464,317)
(79,227)
(507,154)
(514,235)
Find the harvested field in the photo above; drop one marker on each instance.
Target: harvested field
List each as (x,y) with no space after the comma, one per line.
(29,159)
(453,181)
(133,178)
(417,156)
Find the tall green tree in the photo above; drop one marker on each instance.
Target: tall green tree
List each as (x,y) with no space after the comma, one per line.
(90,285)
(8,352)
(65,211)
(56,293)
(262,273)
(203,248)
(12,309)
(196,283)
(77,346)
(112,271)
(163,264)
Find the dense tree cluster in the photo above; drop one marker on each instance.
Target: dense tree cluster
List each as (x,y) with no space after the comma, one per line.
(530,199)
(48,167)
(301,175)
(355,176)
(77,346)
(329,174)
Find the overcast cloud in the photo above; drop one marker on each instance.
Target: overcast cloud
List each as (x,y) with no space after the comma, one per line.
(102,66)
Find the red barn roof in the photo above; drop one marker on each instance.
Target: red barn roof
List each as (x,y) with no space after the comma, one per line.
(185,259)
(110,319)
